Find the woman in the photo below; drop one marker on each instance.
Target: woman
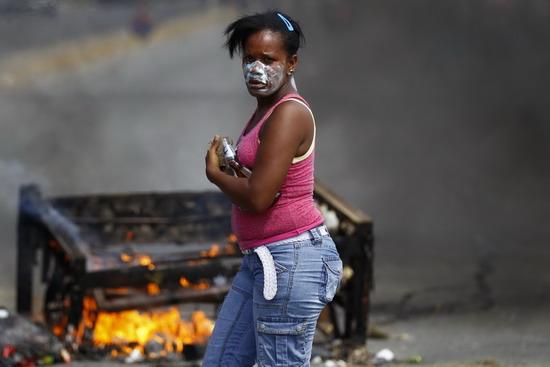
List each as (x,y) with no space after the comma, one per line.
(291,267)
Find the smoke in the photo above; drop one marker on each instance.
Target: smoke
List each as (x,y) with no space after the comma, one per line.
(13,174)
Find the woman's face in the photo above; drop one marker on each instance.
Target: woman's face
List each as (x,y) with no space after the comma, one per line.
(266,63)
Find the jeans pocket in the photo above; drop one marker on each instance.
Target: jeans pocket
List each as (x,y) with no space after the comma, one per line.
(331,277)
(281,342)
(280,271)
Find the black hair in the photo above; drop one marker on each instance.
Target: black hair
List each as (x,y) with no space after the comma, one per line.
(238,32)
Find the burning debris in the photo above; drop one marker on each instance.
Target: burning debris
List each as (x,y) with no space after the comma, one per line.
(118,270)
(133,336)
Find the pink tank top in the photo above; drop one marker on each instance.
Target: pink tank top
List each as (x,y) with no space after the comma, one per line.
(295,211)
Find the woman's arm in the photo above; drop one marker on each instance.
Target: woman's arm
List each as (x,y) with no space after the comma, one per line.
(287,133)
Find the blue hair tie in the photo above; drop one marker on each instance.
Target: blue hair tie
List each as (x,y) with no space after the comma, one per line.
(288,25)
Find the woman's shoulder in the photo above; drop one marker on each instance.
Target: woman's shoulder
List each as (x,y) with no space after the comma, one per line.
(291,115)
(292,108)
(293,103)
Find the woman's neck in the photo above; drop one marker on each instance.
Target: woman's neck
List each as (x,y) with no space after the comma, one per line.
(264,103)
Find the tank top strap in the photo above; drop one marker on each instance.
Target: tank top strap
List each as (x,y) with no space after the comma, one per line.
(284,99)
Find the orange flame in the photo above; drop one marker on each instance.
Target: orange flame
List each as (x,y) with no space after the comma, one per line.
(132,327)
(144,260)
(203,326)
(214,251)
(229,249)
(153,288)
(185,283)
(126,258)
(119,290)
(197,262)
(59,329)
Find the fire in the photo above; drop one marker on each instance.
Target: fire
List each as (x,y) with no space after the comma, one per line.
(153,288)
(148,334)
(132,329)
(185,283)
(229,249)
(144,260)
(119,291)
(203,326)
(214,251)
(59,329)
(126,258)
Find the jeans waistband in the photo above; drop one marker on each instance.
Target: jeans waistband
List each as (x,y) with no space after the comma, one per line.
(321,230)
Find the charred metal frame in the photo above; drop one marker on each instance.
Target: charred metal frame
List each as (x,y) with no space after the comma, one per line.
(47,226)
(355,242)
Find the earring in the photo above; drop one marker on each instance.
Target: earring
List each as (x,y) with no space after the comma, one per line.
(290,71)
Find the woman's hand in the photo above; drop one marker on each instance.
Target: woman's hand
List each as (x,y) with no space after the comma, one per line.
(286,134)
(212,160)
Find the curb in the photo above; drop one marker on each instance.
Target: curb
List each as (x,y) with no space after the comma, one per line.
(21,67)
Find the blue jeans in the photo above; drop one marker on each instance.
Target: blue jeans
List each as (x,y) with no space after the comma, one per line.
(278,332)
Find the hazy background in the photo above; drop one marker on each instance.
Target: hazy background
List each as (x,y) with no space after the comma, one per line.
(433,117)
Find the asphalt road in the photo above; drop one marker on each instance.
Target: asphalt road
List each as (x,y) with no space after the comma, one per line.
(433,118)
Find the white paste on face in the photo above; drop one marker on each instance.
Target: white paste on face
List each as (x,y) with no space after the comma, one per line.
(261,79)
